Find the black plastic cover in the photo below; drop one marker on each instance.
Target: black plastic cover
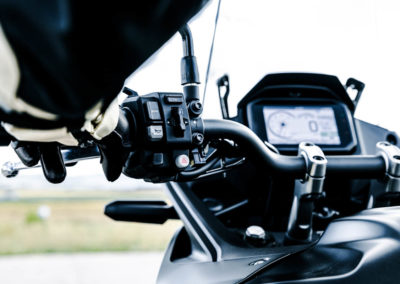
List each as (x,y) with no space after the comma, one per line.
(363,248)
(299,81)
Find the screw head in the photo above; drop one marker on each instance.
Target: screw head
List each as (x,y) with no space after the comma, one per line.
(196,107)
(198,138)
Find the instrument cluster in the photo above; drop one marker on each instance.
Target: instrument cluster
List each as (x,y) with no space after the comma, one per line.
(289,108)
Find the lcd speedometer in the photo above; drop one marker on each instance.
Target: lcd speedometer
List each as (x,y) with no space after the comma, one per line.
(289,125)
(280,124)
(289,108)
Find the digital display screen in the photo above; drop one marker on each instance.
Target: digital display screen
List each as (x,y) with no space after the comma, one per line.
(290,125)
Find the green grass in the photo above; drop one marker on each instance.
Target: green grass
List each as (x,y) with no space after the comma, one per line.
(76,224)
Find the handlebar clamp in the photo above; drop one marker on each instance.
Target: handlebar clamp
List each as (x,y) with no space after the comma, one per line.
(391,156)
(316,168)
(306,192)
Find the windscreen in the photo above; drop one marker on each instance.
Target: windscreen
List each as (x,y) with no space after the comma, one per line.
(289,125)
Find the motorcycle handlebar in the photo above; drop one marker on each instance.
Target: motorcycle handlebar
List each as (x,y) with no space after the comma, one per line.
(356,166)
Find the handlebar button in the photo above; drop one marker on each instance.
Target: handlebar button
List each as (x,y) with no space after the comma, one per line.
(155,132)
(158,159)
(153,110)
(173,100)
(178,121)
(182,161)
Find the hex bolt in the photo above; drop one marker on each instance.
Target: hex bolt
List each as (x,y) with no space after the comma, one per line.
(257,236)
(255,232)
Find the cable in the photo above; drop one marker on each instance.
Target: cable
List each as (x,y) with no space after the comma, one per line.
(211,52)
(195,173)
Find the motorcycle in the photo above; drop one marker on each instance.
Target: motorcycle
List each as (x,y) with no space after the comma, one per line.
(293,189)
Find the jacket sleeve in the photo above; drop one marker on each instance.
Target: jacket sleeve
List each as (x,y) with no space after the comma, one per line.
(73,56)
(97,122)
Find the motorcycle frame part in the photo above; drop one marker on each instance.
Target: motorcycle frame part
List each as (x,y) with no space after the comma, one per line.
(306,192)
(211,243)
(371,236)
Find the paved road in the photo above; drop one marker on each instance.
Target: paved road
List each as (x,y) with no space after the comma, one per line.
(81,268)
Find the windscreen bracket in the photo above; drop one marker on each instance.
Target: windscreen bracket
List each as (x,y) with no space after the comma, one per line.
(222,83)
(356,85)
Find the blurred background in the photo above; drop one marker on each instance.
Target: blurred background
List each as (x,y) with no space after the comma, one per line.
(58,233)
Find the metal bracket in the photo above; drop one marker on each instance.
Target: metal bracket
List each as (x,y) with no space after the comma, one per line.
(223,98)
(356,85)
(305,193)
(391,155)
(316,168)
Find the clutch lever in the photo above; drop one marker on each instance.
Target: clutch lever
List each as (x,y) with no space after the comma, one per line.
(70,156)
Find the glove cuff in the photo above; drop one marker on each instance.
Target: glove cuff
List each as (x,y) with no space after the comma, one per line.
(100,124)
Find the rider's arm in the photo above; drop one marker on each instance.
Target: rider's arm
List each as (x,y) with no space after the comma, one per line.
(62,64)
(30,143)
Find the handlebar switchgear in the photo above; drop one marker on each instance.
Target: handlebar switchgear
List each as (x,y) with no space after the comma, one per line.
(163,138)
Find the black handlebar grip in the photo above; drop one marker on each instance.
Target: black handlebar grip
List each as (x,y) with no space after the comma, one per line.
(114,148)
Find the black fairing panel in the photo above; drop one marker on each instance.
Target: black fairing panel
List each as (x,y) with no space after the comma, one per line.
(321,83)
(363,248)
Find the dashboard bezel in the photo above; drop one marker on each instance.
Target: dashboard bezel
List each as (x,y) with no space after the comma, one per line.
(343,117)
